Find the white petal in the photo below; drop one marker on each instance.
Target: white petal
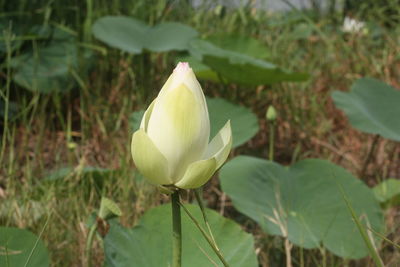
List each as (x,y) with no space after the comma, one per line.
(197,174)
(220,145)
(148,159)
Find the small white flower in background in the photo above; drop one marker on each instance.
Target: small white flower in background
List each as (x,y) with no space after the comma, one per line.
(352,25)
(171,147)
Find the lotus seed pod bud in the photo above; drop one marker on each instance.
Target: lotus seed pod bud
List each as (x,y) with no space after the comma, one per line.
(271,113)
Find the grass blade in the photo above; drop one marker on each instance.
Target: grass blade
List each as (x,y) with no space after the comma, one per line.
(37,242)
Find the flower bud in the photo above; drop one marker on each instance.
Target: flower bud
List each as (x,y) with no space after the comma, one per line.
(171,147)
(271,114)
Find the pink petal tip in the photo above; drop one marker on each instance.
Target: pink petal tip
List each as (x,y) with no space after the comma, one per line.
(182,67)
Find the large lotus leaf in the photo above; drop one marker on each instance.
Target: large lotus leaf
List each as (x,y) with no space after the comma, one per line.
(121,32)
(16,246)
(132,35)
(149,244)
(243,122)
(305,201)
(241,68)
(169,36)
(236,43)
(240,44)
(48,68)
(372,107)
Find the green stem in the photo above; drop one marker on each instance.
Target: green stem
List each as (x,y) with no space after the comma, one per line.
(208,239)
(89,242)
(271,141)
(201,205)
(176,230)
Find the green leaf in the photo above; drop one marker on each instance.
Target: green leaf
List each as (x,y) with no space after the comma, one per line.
(372,107)
(133,36)
(121,32)
(304,200)
(17,244)
(150,242)
(387,190)
(240,44)
(48,68)
(241,68)
(169,36)
(235,43)
(244,123)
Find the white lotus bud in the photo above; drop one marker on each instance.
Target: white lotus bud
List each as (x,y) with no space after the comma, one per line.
(171,147)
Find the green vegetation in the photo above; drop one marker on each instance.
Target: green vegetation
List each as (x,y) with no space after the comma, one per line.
(77,75)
